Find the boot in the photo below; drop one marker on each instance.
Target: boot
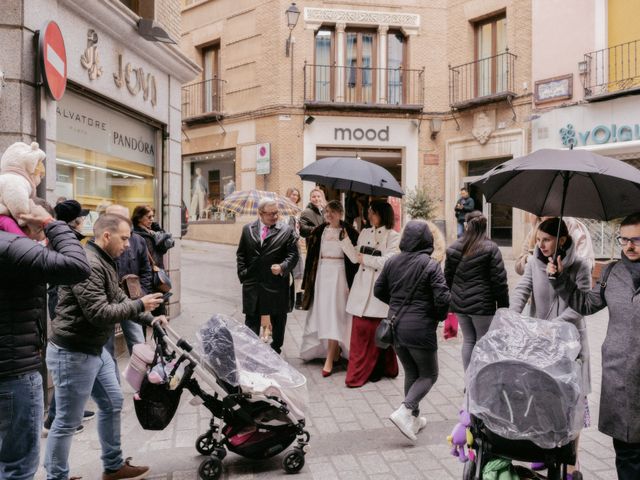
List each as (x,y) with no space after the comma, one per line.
(419,423)
(403,419)
(298,304)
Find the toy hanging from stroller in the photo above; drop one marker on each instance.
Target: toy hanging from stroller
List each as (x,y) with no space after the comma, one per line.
(524,394)
(257,400)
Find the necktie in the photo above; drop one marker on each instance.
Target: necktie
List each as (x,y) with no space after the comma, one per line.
(265,231)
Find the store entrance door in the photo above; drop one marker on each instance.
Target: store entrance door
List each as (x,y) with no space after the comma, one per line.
(499,217)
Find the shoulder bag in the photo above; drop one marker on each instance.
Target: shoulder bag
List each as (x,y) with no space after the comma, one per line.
(161,280)
(385,334)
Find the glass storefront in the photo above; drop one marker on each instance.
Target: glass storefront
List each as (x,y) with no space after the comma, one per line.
(207,179)
(103,156)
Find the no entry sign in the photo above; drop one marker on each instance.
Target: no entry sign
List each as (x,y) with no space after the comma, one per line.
(53,59)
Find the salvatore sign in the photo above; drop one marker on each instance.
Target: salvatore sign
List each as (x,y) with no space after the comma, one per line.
(88,125)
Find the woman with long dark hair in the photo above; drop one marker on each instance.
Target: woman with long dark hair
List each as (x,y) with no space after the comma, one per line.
(375,246)
(477,278)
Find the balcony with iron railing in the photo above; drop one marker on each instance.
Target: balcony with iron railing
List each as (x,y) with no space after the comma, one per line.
(202,101)
(483,81)
(340,87)
(611,72)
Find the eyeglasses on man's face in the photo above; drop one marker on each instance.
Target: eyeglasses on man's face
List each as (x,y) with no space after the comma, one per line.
(270,214)
(624,241)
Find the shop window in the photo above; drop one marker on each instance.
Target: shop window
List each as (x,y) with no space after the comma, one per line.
(491,48)
(95,180)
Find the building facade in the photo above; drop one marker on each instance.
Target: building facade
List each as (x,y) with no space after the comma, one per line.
(114,136)
(587,92)
(436,92)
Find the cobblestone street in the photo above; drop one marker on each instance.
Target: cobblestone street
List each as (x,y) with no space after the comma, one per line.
(352,437)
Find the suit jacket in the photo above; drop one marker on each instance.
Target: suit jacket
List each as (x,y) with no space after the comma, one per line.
(264,293)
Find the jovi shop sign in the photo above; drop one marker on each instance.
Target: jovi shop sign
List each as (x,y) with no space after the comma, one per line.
(598,134)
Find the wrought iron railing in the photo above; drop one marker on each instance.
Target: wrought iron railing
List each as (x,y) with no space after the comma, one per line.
(332,84)
(483,80)
(612,70)
(202,98)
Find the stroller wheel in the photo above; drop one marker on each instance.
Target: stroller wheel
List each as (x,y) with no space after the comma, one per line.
(293,461)
(210,469)
(469,470)
(205,444)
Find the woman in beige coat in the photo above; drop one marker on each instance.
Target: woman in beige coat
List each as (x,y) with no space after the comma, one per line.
(375,246)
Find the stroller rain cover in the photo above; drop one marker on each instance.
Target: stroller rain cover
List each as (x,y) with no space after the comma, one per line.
(524,380)
(238,357)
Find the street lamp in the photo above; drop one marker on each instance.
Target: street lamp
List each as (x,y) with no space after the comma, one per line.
(292,20)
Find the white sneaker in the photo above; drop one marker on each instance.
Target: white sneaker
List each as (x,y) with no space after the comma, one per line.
(403,419)
(419,423)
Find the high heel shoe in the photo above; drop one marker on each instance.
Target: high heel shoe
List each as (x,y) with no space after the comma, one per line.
(326,373)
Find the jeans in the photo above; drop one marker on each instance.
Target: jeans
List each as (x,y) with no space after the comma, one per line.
(420,374)
(473,329)
(78,376)
(627,460)
(278,324)
(133,335)
(21,406)
(460,229)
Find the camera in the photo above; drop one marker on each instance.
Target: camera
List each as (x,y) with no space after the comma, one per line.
(164,241)
(370,251)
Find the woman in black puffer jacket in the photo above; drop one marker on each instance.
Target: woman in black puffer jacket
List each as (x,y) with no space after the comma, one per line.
(478,281)
(416,321)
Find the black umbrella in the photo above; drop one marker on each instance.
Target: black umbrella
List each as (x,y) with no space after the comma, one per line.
(352,174)
(575,183)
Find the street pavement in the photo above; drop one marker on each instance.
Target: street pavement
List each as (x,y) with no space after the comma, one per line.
(351,435)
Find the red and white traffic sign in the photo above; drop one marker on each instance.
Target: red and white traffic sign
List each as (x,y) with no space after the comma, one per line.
(53,59)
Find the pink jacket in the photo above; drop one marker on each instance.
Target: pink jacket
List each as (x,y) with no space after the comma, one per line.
(8,224)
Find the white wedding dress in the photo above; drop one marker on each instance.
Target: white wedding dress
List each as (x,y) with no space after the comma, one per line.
(328,318)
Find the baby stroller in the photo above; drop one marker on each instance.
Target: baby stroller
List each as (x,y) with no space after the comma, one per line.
(524,393)
(256,399)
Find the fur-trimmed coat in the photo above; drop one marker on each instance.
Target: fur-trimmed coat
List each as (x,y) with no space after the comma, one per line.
(313,260)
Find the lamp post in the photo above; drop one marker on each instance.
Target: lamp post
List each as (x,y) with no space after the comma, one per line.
(292,13)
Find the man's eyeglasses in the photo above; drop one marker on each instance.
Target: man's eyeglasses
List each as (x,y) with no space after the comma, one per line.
(271,214)
(623,241)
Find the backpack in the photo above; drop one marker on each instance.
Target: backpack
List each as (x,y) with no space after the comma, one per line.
(604,277)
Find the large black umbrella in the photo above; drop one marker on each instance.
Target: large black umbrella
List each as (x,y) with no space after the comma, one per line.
(575,183)
(352,174)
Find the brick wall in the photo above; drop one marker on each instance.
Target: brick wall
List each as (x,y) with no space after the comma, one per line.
(167,12)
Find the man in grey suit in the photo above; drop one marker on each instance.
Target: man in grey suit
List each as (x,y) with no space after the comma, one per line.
(618,289)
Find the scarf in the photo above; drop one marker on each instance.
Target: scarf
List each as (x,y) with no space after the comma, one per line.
(634,270)
(20,172)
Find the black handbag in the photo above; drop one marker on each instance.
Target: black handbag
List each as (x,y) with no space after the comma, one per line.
(385,333)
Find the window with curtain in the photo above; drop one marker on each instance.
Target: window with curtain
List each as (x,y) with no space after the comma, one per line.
(323,69)
(395,63)
(211,79)
(360,65)
(492,67)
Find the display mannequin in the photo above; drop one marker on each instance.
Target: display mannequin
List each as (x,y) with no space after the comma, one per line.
(229,187)
(199,191)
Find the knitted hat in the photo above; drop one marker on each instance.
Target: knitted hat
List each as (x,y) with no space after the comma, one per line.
(70,210)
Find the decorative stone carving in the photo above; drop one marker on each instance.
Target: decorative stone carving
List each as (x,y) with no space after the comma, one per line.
(408,22)
(483,126)
(90,60)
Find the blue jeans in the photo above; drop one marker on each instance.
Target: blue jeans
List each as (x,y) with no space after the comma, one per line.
(21,406)
(78,376)
(460,229)
(133,335)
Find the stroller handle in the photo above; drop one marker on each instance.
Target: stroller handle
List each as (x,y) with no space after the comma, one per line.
(168,332)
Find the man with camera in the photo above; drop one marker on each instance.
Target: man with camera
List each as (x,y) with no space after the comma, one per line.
(80,367)
(134,269)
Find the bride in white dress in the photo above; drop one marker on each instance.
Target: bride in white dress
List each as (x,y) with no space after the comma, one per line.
(328,275)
